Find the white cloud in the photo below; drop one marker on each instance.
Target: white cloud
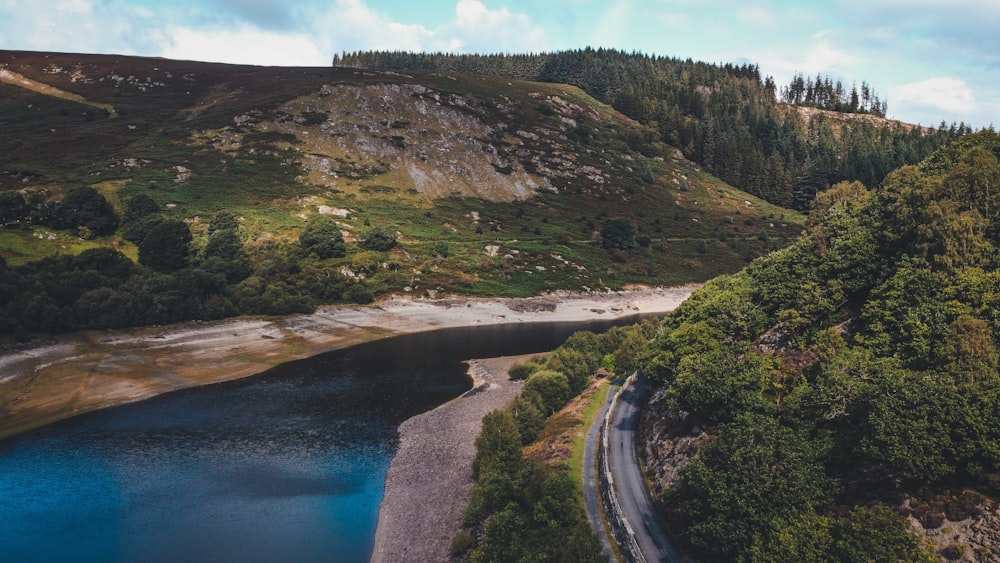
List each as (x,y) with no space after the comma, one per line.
(350,25)
(82,26)
(821,56)
(478,29)
(75,7)
(244,46)
(756,16)
(950,95)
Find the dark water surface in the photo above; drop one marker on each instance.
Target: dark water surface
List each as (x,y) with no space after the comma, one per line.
(288,465)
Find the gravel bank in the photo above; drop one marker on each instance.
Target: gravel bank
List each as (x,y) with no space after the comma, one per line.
(430,478)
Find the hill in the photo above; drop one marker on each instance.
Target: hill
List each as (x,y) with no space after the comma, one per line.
(423,182)
(842,393)
(727,118)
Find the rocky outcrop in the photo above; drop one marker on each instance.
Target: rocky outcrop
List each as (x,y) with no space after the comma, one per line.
(670,441)
(963,526)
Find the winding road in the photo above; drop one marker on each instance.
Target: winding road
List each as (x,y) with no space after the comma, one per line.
(633,495)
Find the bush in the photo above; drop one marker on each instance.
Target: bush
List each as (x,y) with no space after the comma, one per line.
(359,293)
(442,250)
(165,248)
(322,235)
(520,372)
(618,233)
(378,239)
(85,207)
(549,389)
(461,543)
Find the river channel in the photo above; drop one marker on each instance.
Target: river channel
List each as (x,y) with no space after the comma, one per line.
(288,465)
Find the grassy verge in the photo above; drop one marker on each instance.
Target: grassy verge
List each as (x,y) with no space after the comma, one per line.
(579,443)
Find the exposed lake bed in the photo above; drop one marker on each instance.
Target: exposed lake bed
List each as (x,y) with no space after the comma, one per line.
(82,372)
(265,465)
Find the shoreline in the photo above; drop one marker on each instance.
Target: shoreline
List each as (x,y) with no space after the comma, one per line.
(429,480)
(82,372)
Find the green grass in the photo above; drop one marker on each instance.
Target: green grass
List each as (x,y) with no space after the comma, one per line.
(589,414)
(695,233)
(18,247)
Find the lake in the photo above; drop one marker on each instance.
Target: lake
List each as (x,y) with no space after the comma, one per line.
(288,465)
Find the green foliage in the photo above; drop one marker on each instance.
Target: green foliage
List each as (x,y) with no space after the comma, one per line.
(529,511)
(139,206)
(442,249)
(755,471)
(823,93)
(530,419)
(574,365)
(970,354)
(805,538)
(322,235)
(224,254)
(13,208)
(101,288)
(856,367)
(498,446)
(85,207)
(137,229)
(166,247)
(868,534)
(359,293)
(689,339)
(379,239)
(257,295)
(548,389)
(461,543)
(618,233)
(906,317)
(520,372)
(722,384)
(223,221)
(877,534)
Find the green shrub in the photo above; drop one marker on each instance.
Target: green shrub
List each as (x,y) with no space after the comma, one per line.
(520,372)
(322,235)
(379,239)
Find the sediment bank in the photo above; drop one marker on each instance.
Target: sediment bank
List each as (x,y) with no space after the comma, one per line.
(430,477)
(82,372)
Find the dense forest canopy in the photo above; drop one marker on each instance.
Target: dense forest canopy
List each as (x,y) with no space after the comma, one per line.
(849,377)
(727,118)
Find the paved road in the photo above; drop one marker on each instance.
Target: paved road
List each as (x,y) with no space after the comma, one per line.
(591,493)
(633,494)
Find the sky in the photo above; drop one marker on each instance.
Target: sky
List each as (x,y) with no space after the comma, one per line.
(932,60)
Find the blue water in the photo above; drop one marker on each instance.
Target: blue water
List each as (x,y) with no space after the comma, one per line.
(286,466)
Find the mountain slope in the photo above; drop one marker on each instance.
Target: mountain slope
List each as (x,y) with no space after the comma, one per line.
(725,117)
(487,185)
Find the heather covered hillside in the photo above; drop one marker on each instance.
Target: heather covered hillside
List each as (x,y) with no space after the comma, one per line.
(140,190)
(782,142)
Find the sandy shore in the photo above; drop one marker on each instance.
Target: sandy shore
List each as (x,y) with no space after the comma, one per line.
(87,371)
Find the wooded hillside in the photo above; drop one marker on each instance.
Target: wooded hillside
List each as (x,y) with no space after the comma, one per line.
(724,117)
(846,382)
